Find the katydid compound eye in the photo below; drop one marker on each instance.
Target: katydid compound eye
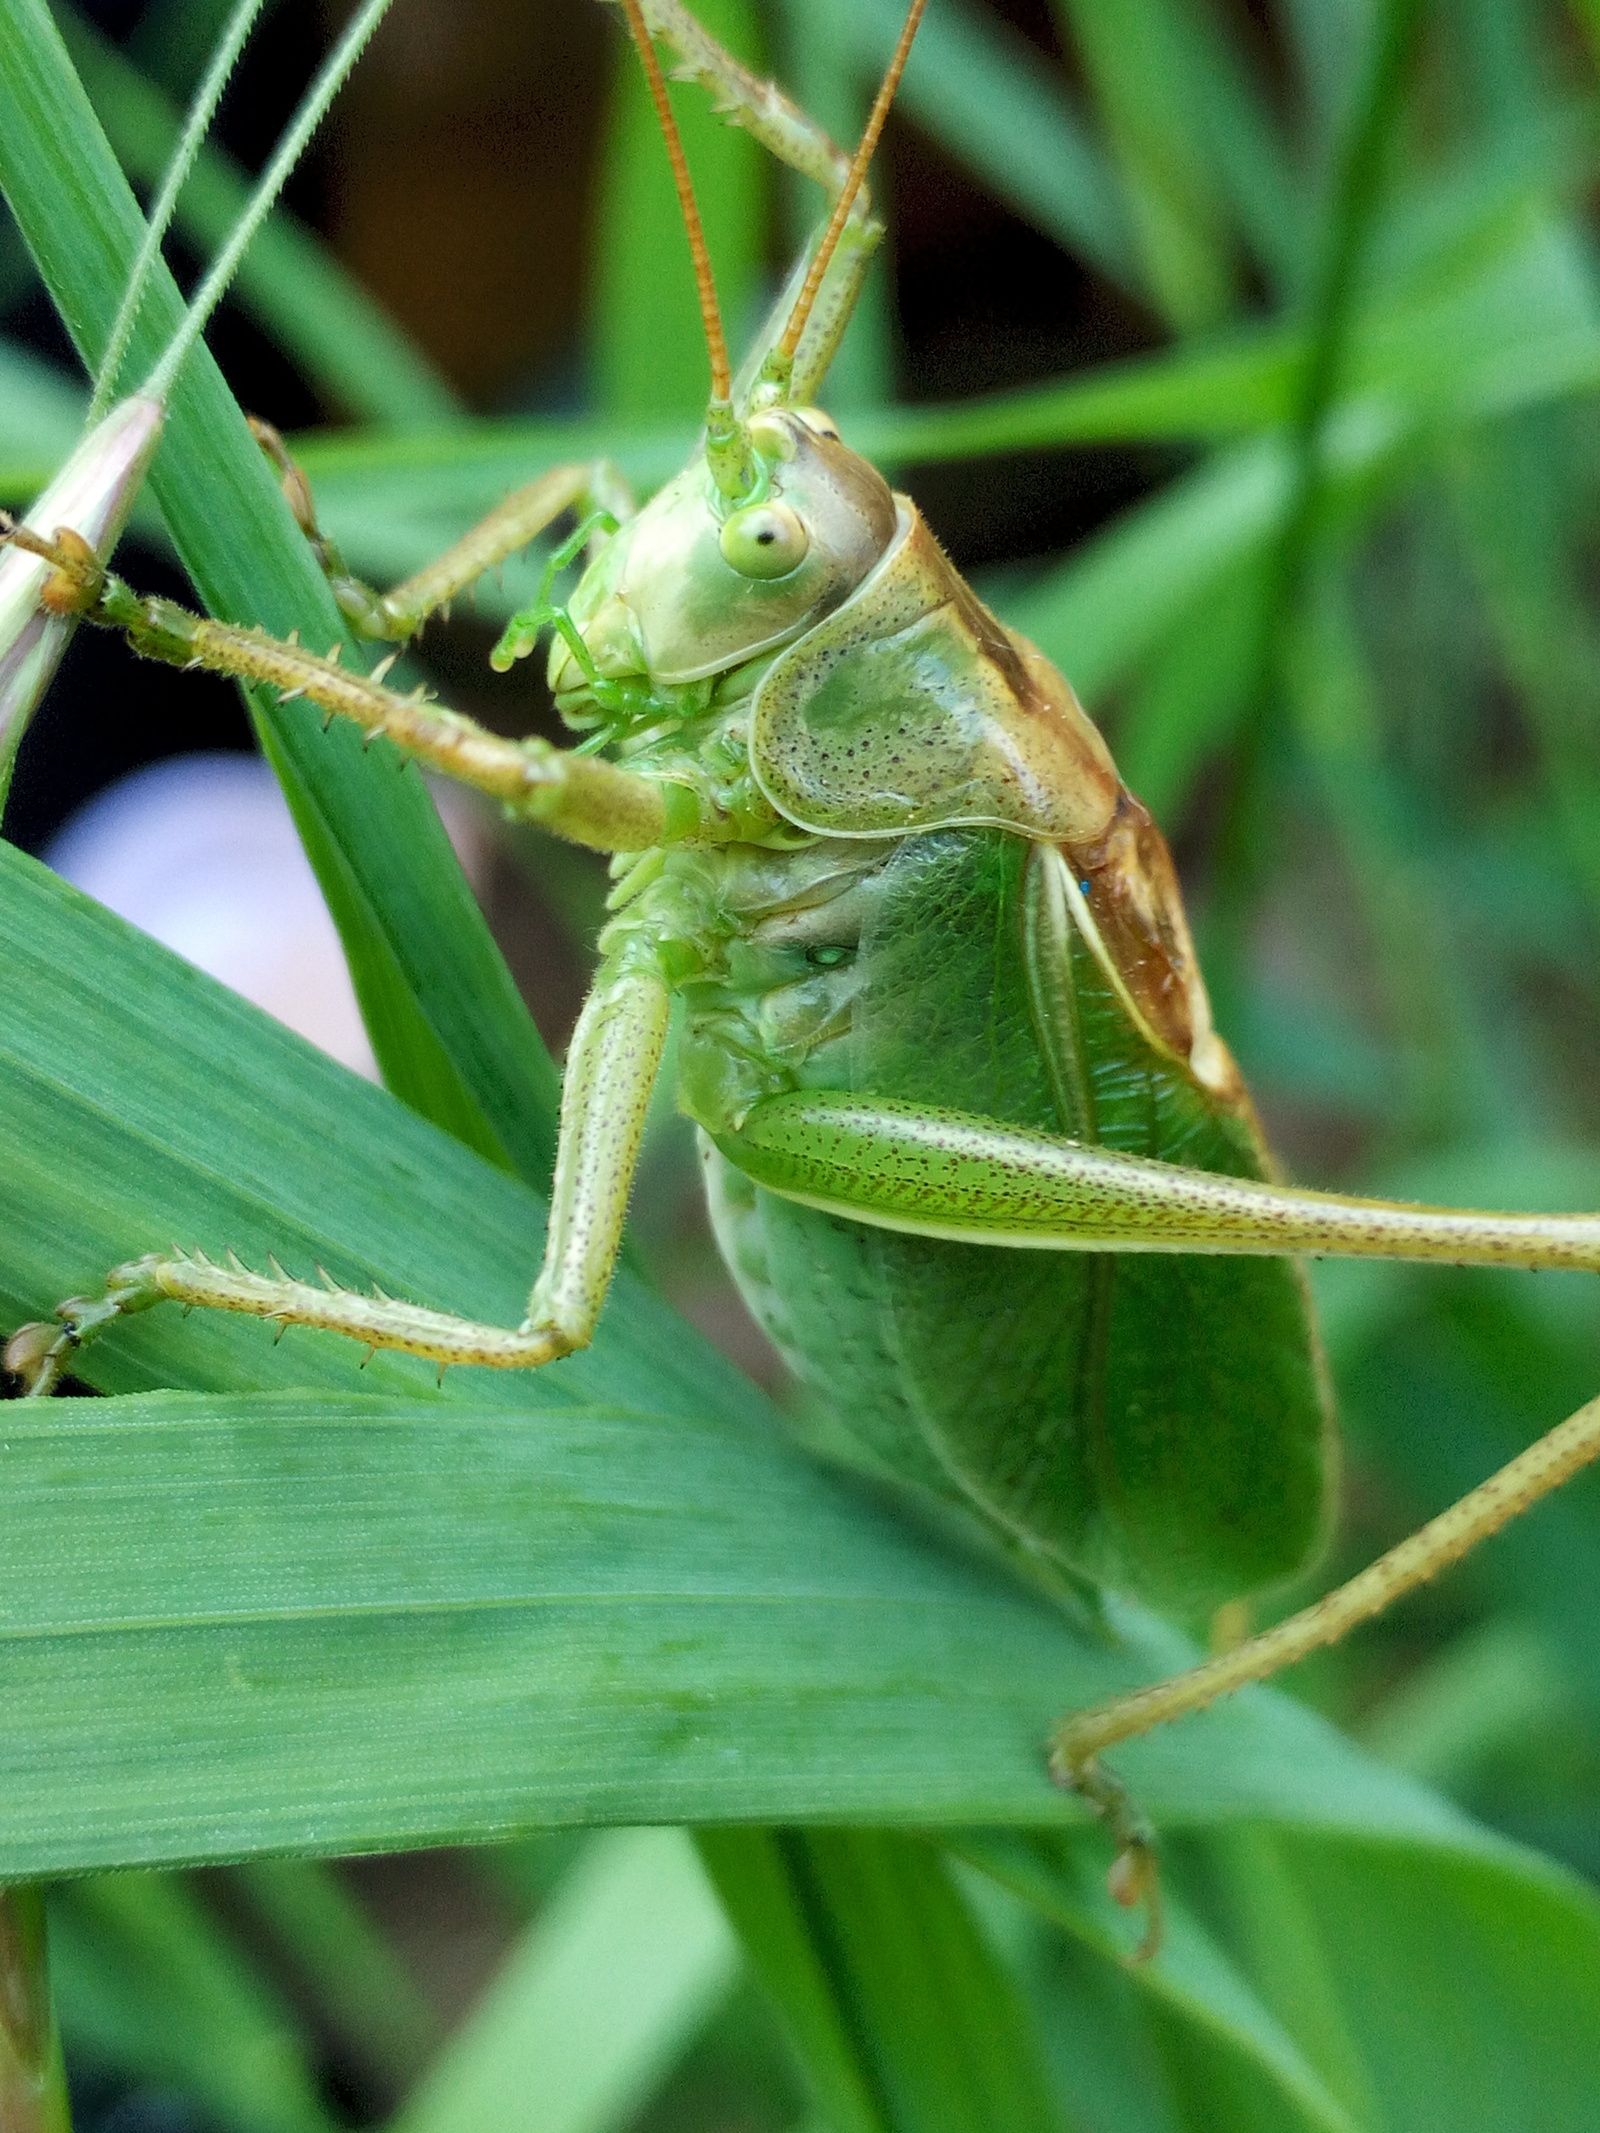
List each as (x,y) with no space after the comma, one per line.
(765,541)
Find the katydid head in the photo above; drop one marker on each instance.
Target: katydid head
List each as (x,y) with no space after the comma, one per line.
(775,522)
(687,590)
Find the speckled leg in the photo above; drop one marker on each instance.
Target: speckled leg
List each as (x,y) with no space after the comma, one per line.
(611,1069)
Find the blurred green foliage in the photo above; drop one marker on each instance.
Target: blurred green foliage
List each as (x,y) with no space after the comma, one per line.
(1347,646)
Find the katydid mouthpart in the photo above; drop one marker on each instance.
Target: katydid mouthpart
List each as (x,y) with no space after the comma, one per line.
(975,1153)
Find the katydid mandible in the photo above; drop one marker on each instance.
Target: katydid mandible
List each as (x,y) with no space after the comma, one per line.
(975,1154)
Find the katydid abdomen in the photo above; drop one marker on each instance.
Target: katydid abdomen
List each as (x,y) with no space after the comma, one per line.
(1152,1422)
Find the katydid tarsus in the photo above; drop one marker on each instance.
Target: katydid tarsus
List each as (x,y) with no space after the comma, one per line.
(975,1154)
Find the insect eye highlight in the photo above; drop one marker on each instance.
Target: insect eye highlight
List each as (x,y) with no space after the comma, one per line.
(765,540)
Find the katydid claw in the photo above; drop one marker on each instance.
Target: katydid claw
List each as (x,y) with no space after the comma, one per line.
(1134,1876)
(29,1355)
(41,1352)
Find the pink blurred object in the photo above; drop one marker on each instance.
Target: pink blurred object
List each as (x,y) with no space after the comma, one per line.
(200,852)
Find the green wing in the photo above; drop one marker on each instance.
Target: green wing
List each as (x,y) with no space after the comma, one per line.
(1152,1422)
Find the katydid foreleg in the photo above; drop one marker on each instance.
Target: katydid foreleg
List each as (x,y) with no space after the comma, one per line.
(582,798)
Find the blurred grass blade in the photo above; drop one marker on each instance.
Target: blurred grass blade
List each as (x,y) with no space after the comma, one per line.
(1283,1944)
(964,68)
(1138,55)
(1324,42)
(1526,333)
(41,408)
(362,1991)
(595,2003)
(1515,497)
(1473,1700)
(1356,193)
(903,2017)
(290,282)
(154,1986)
(33,2089)
(447,1025)
(650,348)
(1098,615)
(1438,1086)
(173,39)
(1183,710)
(820,69)
(1241,136)
(1193,1979)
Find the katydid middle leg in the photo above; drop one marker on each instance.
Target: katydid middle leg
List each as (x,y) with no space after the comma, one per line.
(589,489)
(611,1069)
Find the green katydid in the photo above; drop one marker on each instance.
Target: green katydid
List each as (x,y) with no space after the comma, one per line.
(975,1154)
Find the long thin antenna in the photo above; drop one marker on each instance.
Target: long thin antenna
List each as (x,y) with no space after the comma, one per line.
(852,184)
(195,127)
(711,317)
(289,150)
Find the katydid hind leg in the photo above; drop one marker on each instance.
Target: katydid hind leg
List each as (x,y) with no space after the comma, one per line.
(1544,1466)
(937,1173)
(611,1069)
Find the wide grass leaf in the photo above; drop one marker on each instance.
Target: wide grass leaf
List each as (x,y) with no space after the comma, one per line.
(607,1590)
(448,1027)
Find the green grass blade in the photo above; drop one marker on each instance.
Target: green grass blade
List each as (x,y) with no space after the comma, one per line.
(290,282)
(197,124)
(1370,1992)
(902,2015)
(1424,2008)
(1194,1980)
(449,1030)
(33,2090)
(361,1990)
(1043,162)
(764,1880)
(1136,53)
(650,349)
(153,1986)
(596,2002)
